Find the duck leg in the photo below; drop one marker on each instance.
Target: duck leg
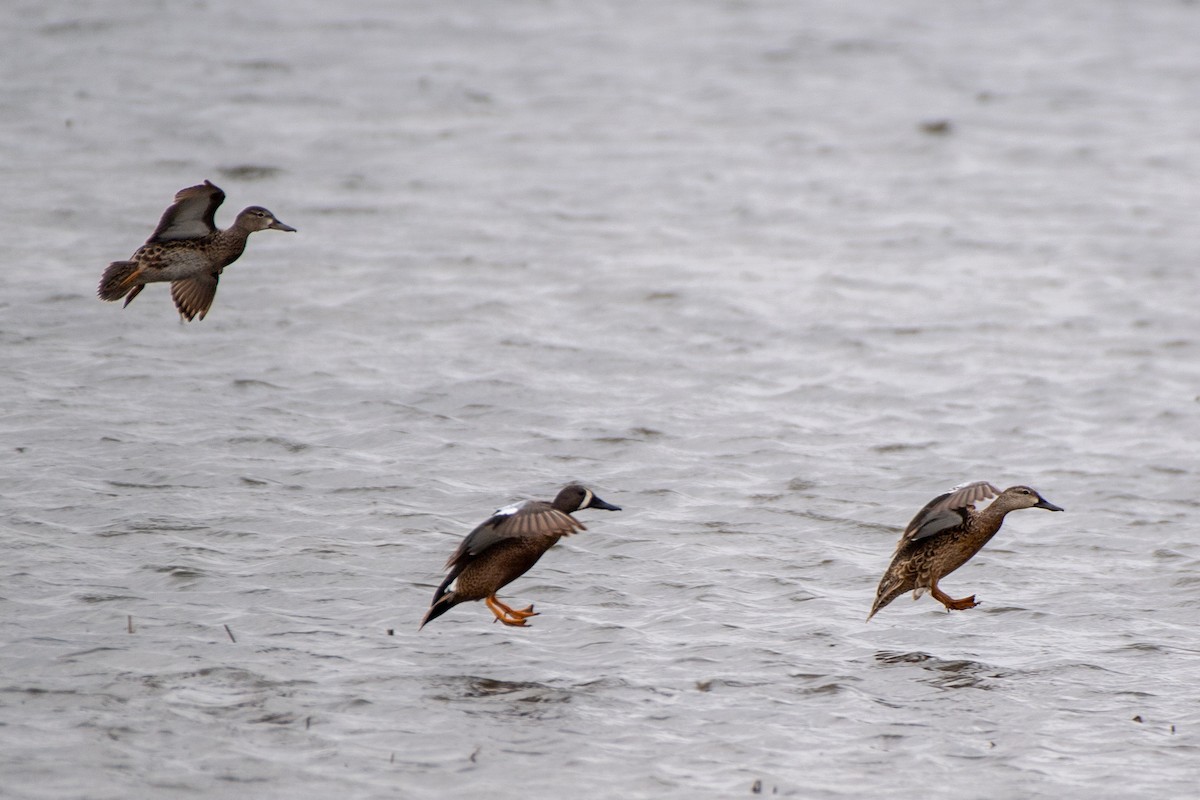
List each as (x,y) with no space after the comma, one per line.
(949,602)
(504,613)
(522,613)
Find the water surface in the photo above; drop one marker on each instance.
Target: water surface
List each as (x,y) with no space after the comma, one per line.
(767,275)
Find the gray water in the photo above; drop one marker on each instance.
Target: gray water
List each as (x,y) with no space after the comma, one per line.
(768,275)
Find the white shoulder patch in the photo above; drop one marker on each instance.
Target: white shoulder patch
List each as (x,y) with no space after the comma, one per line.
(980,505)
(507,511)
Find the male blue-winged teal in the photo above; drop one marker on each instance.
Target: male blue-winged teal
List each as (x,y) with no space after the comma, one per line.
(944,535)
(504,548)
(188,250)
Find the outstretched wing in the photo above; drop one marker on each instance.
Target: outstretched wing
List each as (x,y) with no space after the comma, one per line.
(530,519)
(191,216)
(948,511)
(194,296)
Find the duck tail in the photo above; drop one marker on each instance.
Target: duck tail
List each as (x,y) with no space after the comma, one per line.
(889,589)
(443,601)
(119,280)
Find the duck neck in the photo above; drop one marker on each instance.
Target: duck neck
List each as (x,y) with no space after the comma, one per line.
(987,522)
(230,243)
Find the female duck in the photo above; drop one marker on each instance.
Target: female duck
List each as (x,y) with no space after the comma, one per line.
(944,535)
(505,547)
(188,250)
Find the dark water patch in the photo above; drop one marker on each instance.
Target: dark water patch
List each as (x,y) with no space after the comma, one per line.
(91,652)
(525,691)
(158,525)
(215,676)
(709,684)
(152,486)
(75,27)
(391,488)
(632,435)
(903,447)
(253,383)
(830,688)
(249,172)
(277,718)
(177,571)
(262,65)
(521,699)
(38,691)
(346,211)
(1143,647)
(244,779)
(946,674)
(275,441)
(1168,555)
(106,598)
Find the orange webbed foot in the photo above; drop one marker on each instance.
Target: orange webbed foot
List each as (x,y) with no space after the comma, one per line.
(508,615)
(962,604)
(524,613)
(950,603)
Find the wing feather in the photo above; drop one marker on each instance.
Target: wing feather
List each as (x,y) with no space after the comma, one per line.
(194,296)
(529,519)
(191,216)
(948,511)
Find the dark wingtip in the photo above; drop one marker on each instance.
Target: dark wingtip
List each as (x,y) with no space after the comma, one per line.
(440,606)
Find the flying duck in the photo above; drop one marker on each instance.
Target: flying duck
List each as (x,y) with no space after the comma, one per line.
(945,534)
(188,250)
(505,547)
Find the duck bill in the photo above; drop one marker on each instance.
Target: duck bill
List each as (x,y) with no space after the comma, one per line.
(1046,504)
(598,503)
(280,226)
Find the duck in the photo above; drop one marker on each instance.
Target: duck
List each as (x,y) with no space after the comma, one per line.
(504,547)
(188,250)
(945,534)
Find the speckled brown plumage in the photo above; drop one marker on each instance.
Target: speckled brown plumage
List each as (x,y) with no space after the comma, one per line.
(188,250)
(505,547)
(944,535)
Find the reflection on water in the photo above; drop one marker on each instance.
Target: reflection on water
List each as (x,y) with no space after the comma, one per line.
(513,698)
(946,674)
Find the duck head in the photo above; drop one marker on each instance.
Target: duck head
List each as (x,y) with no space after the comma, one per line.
(574,497)
(257,218)
(1016,497)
